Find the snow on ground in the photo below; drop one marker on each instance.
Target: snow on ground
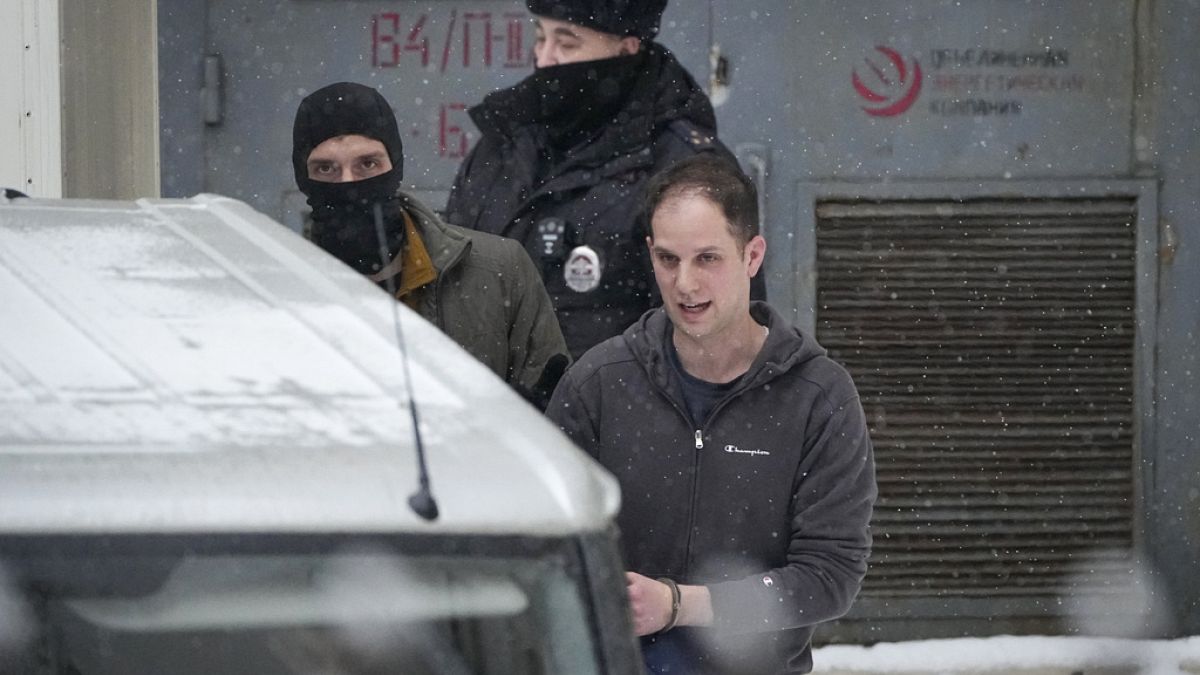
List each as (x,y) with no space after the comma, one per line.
(1008,654)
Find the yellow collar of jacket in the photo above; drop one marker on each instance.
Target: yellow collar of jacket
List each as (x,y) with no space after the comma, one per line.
(414,265)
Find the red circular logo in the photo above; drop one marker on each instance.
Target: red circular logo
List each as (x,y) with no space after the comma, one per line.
(889,88)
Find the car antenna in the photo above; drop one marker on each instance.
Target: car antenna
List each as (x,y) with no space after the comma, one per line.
(421,502)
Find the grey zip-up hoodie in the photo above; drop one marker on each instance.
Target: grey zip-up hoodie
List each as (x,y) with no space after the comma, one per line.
(767,503)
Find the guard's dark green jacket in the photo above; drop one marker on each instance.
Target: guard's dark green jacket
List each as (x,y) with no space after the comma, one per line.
(489,299)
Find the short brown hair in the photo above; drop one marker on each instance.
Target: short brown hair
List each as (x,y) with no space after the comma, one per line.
(715,178)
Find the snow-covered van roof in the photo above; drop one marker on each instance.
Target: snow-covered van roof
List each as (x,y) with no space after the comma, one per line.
(189,365)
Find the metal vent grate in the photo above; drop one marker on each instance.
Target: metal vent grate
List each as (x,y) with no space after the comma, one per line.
(992,344)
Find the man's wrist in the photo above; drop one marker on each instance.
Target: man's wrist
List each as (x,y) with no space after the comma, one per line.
(695,606)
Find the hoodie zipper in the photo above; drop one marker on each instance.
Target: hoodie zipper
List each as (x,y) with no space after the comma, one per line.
(696,459)
(691,520)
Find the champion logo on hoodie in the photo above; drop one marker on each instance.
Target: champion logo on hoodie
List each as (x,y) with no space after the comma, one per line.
(737,450)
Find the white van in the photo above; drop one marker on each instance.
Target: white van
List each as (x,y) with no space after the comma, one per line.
(207,454)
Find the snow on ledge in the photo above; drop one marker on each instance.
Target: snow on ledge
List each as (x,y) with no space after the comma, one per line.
(1009,654)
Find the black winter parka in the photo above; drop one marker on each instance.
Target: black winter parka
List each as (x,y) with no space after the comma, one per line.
(511,181)
(767,502)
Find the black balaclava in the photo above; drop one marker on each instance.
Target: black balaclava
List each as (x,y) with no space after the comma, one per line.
(343,213)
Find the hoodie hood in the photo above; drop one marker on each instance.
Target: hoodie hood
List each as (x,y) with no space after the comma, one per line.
(785,348)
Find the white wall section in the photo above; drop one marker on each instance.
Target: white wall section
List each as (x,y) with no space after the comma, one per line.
(30,120)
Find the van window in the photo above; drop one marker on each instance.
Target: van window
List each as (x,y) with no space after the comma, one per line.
(354,607)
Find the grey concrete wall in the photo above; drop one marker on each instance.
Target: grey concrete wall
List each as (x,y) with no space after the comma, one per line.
(182,40)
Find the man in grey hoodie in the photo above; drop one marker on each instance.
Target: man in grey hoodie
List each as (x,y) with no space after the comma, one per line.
(742,451)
